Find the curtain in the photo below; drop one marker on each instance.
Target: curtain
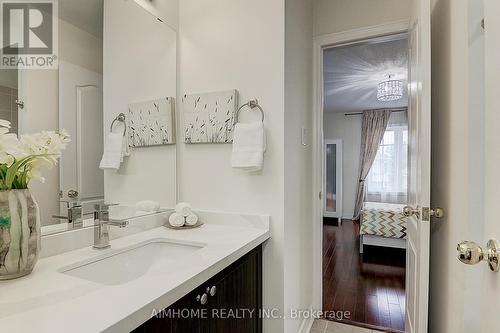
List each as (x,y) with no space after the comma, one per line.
(387,180)
(372,132)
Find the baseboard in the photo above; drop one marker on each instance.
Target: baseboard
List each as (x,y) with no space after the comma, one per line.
(306,324)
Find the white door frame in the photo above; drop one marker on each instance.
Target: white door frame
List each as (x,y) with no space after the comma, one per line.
(319,44)
(338,178)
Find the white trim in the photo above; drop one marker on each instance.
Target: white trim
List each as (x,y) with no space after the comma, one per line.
(306,324)
(320,42)
(362,33)
(338,176)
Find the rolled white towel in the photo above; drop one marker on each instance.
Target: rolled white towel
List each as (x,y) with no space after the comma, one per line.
(176,220)
(183,208)
(147,206)
(191,219)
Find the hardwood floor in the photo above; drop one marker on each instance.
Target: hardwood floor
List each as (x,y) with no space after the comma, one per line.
(370,286)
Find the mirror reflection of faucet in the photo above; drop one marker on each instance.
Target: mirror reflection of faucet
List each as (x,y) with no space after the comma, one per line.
(74,214)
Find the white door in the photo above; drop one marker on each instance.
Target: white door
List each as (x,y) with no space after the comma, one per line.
(491,285)
(332,178)
(419,131)
(81,114)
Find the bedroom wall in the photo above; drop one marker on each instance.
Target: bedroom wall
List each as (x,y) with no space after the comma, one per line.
(348,129)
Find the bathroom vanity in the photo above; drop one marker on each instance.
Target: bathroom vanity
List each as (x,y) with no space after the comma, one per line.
(122,288)
(229,302)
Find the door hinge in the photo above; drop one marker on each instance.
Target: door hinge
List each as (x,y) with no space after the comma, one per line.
(320,195)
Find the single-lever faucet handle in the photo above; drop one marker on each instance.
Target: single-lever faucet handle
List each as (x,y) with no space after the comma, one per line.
(101,226)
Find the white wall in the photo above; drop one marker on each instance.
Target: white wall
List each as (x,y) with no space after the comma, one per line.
(166,10)
(238,44)
(79,47)
(298,158)
(340,15)
(348,129)
(139,65)
(457,165)
(40,92)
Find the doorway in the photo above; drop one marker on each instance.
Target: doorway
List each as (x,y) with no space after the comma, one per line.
(362,272)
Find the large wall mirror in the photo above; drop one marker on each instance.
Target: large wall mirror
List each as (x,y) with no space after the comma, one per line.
(117,65)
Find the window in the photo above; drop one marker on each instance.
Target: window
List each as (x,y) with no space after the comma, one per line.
(388,177)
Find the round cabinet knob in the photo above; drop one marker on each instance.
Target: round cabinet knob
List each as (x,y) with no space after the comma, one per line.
(213,290)
(203,299)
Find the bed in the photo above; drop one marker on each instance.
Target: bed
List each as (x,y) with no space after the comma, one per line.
(382,224)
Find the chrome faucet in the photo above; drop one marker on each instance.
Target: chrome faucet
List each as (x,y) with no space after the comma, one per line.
(101,226)
(74,214)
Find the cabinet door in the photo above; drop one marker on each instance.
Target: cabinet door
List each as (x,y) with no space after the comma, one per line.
(237,300)
(234,308)
(189,318)
(181,317)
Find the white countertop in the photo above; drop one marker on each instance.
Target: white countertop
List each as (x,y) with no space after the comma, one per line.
(52,302)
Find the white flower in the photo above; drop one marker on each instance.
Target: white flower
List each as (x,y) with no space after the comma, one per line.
(50,144)
(34,152)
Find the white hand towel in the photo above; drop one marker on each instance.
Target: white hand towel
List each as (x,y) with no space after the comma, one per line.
(147,206)
(112,157)
(191,219)
(125,148)
(249,145)
(176,220)
(183,208)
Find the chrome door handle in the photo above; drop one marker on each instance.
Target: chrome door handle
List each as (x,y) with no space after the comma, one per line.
(470,253)
(426,212)
(410,211)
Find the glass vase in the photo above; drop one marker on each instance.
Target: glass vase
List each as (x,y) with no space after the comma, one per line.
(19,233)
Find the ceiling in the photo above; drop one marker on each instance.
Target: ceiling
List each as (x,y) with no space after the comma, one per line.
(84,14)
(351,73)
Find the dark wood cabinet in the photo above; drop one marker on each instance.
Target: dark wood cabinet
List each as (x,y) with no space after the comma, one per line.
(229,302)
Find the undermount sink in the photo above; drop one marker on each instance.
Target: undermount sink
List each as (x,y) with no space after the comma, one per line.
(127,264)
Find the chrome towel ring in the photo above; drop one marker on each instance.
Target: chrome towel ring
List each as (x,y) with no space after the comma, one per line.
(120,118)
(252,104)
